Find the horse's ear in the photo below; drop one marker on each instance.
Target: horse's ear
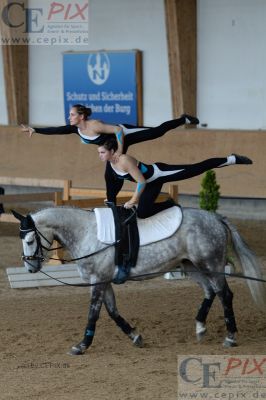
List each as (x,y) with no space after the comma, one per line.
(20,217)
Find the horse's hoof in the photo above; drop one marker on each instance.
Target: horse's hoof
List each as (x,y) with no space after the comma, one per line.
(229,342)
(138,341)
(200,330)
(201,335)
(77,350)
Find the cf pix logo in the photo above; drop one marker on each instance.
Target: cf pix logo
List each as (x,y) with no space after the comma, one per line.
(16,15)
(207,373)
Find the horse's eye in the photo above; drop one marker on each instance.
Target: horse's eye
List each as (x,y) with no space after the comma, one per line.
(30,242)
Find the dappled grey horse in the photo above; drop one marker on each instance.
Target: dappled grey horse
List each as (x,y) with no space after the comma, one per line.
(199,246)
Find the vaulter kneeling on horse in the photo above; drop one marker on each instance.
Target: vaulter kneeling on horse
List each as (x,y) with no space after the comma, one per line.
(150,178)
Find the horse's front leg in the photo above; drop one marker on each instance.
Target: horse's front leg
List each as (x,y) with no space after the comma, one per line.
(110,304)
(94,312)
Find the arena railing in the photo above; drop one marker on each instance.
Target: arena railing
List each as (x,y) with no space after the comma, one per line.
(68,195)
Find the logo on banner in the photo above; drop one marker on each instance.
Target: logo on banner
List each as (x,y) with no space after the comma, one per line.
(98,68)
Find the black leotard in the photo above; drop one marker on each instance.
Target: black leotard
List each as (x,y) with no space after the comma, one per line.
(159,173)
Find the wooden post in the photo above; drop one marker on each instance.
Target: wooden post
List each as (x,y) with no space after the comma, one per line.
(58,201)
(181,26)
(15,59)
(59,253)
(66,190)
(173,192)
(139,87)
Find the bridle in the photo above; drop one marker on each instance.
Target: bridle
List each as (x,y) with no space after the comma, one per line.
(38,254)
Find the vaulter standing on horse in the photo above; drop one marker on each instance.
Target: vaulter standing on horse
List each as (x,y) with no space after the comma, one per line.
(92,131)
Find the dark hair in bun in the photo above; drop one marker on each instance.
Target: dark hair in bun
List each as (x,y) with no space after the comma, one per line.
(110,144)
(82,110)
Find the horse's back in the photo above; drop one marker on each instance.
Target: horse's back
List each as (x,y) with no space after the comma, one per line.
(203,231)
(202,217)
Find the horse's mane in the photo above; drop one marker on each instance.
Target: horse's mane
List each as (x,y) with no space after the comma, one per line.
(60,207)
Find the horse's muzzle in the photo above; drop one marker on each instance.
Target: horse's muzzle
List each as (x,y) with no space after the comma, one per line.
(33,263)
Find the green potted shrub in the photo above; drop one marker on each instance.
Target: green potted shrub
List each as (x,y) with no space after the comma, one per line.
(208,200)
(210,194)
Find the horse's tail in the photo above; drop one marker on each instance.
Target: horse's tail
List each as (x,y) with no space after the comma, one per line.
(250,265)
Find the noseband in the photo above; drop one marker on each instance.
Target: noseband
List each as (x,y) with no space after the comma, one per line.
(38,254)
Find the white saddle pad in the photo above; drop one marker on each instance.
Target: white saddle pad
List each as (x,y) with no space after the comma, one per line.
(158,227)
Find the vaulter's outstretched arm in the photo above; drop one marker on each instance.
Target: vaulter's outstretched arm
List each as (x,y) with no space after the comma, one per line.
(52,130)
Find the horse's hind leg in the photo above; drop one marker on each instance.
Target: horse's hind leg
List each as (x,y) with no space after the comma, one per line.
(206,304)
(226,297)
(110,304)
(203,313)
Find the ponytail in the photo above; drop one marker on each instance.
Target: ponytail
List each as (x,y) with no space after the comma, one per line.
(82,110)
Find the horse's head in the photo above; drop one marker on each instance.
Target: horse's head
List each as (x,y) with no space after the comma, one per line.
(33,248)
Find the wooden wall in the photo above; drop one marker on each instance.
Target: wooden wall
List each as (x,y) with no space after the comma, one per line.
(65,157)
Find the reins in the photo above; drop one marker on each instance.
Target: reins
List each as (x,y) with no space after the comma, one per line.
(83,257)
(154,274)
